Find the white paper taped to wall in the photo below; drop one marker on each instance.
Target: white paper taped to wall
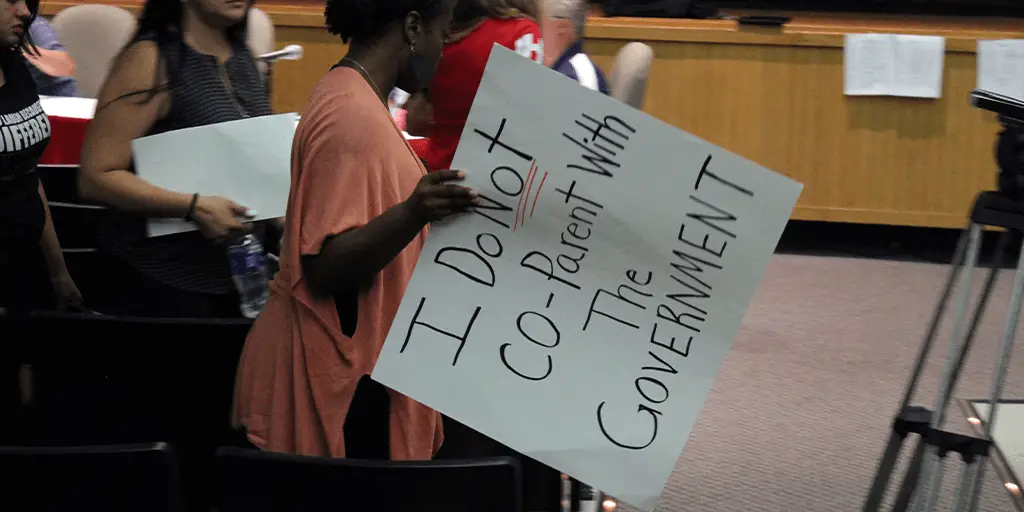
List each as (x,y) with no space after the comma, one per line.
(893,65)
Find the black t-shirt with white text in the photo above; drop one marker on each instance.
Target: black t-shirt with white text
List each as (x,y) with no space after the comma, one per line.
(24,134)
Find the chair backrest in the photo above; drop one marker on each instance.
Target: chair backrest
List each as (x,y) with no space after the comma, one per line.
(110,478)
(76,221)
(629,74)
(256,481)
(118,379)
(93,36)
(261,35)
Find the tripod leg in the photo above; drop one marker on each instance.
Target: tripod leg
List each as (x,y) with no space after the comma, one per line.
(970,485)
(931,470)
(910,479)
(960,345)
(885,468)
(956,266)
(892,450)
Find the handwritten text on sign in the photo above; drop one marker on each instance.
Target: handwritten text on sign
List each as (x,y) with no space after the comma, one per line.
(580,314)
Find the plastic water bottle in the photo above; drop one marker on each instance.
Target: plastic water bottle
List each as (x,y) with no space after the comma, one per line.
(249,272)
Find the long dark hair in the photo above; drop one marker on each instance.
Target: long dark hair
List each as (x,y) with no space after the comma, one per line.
(25,45)
(161,22)
(470,13)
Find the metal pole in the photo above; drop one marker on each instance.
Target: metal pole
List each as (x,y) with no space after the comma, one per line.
(906,494)
(955,366)
(969,488)
(892,450)
(931,470)
(940,309)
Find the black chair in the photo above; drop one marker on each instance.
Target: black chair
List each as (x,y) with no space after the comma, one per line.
(146,377)
(75,220)
(109,478)
(77,225)
(115,380)
(256,481)
(60,182)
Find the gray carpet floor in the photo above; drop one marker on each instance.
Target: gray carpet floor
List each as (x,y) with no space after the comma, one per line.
(801,408)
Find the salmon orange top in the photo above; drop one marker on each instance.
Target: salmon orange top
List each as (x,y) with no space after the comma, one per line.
(298,371)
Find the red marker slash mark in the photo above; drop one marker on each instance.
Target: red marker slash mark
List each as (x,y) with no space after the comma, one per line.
(537,195)
(529,188)
(523,197)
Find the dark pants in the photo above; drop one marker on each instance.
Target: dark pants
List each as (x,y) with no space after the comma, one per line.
(21,277)
(368,426)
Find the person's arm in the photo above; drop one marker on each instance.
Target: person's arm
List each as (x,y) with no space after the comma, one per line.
(122,117)
(54,63)
(352,258)
(127,110)
(528,41)
(48,54)
(63,284)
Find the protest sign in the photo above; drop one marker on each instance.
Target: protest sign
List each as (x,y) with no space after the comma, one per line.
(580,314)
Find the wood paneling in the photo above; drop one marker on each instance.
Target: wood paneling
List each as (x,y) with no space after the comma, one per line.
(867,160)
(294,80)
(775,96)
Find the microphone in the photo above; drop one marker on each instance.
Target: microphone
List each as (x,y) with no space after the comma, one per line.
(290,52)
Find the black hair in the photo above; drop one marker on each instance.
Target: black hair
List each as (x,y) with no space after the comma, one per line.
(25,45)
(161,22)
(469,13)
(366,20)
(468,10)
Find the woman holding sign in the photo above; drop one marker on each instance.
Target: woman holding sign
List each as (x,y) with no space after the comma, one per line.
(358,212)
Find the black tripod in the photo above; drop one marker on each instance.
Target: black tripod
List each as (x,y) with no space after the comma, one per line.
(1004,209)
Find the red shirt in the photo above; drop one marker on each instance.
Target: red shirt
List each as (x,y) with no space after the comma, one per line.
(458,76)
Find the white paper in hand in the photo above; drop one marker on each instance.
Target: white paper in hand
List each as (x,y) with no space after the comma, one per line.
(247,161)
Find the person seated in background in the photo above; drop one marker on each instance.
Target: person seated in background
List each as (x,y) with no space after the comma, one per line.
(188,65)
(562,27)
(52,67)
(358,211)
(440,112)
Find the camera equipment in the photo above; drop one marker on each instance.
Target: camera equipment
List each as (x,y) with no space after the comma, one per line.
(1010,145)
(1003,209)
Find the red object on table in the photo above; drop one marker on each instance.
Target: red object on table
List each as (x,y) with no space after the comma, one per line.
(66,137)
(420,147)
(399,115)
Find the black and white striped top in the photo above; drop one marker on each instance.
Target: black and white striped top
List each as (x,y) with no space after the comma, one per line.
(188,261)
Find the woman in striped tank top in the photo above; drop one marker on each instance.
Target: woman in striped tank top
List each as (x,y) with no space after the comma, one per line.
(188,65)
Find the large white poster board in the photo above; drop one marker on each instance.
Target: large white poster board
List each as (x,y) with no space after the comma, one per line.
(580,315)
